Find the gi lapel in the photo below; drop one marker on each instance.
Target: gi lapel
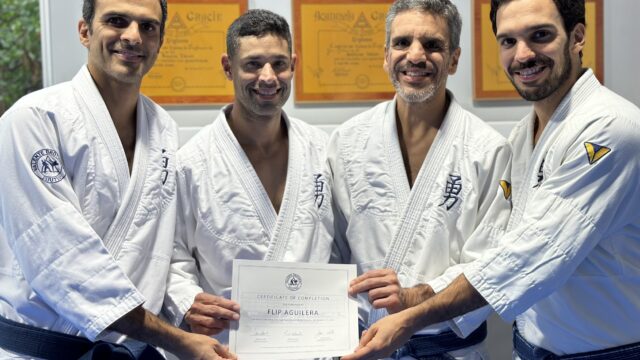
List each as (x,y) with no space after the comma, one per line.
(538,156)
(418,204)
(246,174)
(295,166)
(99,118)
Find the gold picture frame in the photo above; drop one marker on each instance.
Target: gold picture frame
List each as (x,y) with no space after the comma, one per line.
(188,69)
(340,49)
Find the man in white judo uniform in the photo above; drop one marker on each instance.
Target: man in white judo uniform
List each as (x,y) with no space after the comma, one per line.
(87,206)
(418,182)
(251,185)
(568,268)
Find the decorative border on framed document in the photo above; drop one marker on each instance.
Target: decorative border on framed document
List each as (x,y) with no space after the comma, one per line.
(489,79)
(340,48)
(188,69)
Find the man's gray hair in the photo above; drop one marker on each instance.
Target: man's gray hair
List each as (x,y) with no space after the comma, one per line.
(441,8)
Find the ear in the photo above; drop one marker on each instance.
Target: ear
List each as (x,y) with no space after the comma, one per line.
(578,38)
(294,62)
(226,66)
(84,32)
(385,64)
(455,57)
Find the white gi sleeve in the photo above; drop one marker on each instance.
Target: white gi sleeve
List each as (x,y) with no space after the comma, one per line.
(494,208)
(577,205)
(182,283)
(60,255)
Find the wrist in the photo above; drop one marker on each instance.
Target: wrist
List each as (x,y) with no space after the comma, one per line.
(415,295)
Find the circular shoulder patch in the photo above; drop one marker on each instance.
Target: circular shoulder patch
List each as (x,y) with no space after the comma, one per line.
(46,165)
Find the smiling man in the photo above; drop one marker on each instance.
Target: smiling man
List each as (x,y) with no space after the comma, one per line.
(251,185)
(568,268)
(418,182)
(87,210)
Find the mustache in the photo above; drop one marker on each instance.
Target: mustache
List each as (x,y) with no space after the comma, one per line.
(123,45)
(539,60)
(412,66)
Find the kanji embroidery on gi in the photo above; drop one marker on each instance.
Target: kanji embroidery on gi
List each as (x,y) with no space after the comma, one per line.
(451,191)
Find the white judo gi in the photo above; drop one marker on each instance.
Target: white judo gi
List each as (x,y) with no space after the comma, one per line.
(83,242)
(455,210)
(225,213)
(569,266)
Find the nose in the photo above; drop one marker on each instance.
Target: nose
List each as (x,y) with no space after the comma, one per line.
(416,53)
(267,74)
(524,53)
(131,34)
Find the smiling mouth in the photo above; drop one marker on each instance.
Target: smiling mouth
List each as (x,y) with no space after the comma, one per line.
(529,73)
(129,55)
(416,73)
(266,91)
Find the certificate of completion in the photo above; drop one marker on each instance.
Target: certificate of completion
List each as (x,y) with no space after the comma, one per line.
(293,310)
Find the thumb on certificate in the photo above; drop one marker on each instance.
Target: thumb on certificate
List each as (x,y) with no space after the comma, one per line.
(222,352)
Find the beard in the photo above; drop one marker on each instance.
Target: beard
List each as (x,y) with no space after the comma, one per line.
(549,86)
(425,94)
(268,108)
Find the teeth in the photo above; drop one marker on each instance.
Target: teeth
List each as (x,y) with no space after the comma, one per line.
(128,53)
(530,71)
(267,91)
(415,73)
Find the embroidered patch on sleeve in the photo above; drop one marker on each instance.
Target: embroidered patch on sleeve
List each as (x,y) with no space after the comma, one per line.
(506,188)
(45,163)
(595,152)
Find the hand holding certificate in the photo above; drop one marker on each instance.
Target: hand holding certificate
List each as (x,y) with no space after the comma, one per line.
(293,310)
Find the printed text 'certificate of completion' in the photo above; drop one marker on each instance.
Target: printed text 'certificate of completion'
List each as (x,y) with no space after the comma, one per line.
(293,310)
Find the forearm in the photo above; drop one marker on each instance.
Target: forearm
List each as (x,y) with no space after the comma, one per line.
(142,325)
(416,295)
(457,299)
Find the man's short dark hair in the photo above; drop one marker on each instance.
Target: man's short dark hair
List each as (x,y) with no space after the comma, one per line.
(571,11)
(89,11)
(258,23)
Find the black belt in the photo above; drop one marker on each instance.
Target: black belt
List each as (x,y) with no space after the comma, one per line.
(422,346)
(528,351)
(41,343)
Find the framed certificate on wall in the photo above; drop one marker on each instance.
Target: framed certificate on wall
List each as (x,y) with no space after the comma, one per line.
(490,81)
(340,48)
(188,69)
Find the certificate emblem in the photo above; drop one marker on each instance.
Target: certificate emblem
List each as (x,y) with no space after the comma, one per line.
(293,282)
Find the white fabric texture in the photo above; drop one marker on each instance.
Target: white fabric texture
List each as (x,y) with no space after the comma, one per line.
(455,210)
(83,242)
(569,265)
(225,213)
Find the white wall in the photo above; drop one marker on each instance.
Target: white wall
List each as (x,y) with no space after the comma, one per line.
(63,56)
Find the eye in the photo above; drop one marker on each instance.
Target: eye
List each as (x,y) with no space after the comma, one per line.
(433,46)
(117,21)
(542,36)
(401,43)
(252,65)
(507,42)
(280,65)
(148,27)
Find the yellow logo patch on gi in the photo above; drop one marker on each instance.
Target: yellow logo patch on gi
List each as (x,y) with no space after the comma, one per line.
(595,152)
(506,188)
